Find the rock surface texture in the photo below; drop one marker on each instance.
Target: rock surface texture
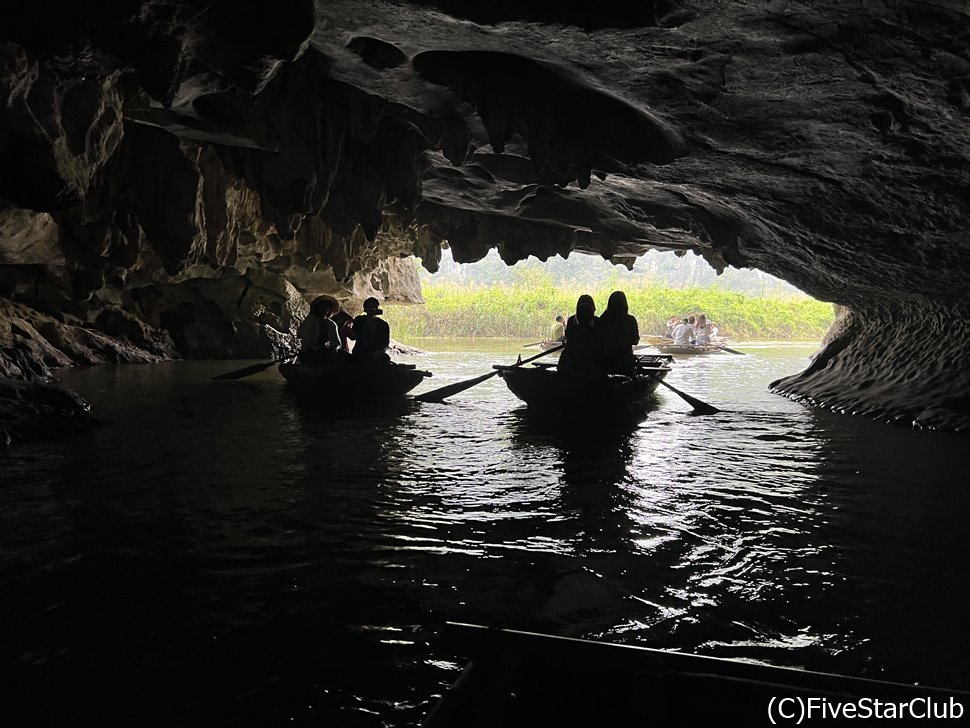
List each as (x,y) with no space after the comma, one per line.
(180,177)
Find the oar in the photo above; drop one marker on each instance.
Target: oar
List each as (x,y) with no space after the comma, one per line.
(534,343)
(437,395)
(250,370)
(701,408)
(732,351)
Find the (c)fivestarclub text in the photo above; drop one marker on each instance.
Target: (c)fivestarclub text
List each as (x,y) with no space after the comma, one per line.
(796,710)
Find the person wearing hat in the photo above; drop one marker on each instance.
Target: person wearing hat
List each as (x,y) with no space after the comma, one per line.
(318,334)
(371,335)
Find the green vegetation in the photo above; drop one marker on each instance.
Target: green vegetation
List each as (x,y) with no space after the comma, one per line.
(527,307)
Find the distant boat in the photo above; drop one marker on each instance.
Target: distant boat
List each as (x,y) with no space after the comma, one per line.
(687,349)
(666,345)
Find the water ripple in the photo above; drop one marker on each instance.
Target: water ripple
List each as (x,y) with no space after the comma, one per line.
(226,524)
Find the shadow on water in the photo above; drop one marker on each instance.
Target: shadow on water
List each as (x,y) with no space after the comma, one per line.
(592,504)
(321,409)
(586,433)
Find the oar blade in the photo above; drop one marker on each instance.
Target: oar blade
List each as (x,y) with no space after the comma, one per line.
(703,408)
(731,351)
(700,407)
(450,390)
(245,372)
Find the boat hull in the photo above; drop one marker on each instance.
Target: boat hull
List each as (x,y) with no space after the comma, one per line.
(521,679)
(349,382)
(687,349)
(544,389)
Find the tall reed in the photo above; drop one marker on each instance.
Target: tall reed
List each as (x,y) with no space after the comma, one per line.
(527,308)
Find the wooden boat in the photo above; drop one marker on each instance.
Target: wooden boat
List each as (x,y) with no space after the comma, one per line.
(373,383)
(687,349)
(527,679)
(544,389)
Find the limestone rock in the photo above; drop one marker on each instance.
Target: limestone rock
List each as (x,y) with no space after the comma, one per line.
(28,238)
(39,409)
(32,342)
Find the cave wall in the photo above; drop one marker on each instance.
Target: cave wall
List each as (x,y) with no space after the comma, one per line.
(869,366)
(180,199)
(180,178)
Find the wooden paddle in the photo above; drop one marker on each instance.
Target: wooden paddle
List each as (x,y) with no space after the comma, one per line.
(700,408)
(534,343)
(437,395)
(732,351)
(250,370)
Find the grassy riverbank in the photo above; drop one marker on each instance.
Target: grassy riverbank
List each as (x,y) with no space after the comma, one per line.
(526,309)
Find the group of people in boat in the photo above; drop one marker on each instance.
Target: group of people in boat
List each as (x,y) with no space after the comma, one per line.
(326,332)
(598,345)
(691,330)
(593,345)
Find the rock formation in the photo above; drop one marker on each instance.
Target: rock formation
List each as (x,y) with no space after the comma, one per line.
(179,177)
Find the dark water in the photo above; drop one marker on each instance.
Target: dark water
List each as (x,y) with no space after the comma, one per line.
(217,554)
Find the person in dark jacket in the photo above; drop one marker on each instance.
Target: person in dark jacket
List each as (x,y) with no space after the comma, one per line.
(371,335)
(584,300)
(621,333)
(585,352)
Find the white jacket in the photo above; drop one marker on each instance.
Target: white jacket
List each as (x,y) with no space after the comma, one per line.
(682,334)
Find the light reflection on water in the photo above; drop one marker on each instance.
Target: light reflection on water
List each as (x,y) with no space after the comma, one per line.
(308,554)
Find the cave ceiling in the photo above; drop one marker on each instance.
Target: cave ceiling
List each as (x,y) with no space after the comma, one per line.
(824,142)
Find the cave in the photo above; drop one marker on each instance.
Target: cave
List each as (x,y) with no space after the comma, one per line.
(310,148)
(179,179)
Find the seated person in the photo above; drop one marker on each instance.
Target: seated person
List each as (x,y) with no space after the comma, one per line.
(318,334)
(682,333)
(620,333)
(586,300)
(344,321)
(585,352)
(558,331)
(371,335)
(702,331)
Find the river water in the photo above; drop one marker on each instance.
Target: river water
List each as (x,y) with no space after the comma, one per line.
(215,553)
